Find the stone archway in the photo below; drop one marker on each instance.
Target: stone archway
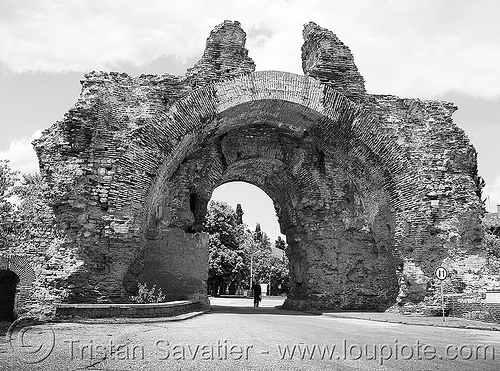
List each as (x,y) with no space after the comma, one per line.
(335,208)
(362,184)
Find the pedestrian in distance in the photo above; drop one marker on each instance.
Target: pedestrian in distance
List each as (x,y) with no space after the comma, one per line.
(257,294)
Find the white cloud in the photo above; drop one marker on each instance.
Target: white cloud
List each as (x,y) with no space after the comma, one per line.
(413,48)
(493,192)
(21,154)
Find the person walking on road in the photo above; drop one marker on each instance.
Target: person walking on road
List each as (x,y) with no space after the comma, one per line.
(256,294)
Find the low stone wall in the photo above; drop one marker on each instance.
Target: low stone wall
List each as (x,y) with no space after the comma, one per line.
(480,311)
(169,309)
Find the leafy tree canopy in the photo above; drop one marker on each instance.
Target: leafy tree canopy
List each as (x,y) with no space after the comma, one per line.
(8,178)
(221,219)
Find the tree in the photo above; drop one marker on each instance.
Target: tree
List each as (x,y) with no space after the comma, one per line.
(225,266)
(33,214)
(226,256)
(220,219)
(258,233)
(280,243)
(239,214)
(271,269)
(267,267)
(8,222)
(250,246)
(236,253)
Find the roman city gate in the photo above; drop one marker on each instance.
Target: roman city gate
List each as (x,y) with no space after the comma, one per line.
(362,184)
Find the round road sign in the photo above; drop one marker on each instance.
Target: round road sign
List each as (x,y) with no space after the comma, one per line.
(441,273)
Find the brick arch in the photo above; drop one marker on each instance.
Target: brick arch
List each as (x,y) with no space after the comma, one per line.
(321,107)
(290,115)
(22,266)
(297,104)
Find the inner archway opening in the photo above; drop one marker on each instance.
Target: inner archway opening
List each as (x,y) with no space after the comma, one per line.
(246,247)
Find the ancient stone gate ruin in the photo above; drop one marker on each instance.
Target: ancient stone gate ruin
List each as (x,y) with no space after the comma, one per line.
(363,185)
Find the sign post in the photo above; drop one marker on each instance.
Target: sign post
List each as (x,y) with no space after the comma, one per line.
(441,273)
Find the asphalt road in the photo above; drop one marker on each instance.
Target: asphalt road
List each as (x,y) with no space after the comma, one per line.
(236,336)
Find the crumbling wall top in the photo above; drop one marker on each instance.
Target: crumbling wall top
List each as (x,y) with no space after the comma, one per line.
(327,59)
(225,56)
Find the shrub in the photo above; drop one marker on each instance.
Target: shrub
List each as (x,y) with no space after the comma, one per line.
(145,295)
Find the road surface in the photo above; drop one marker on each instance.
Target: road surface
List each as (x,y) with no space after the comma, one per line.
(236,336)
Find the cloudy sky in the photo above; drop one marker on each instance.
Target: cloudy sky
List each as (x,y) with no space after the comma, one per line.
(429,49)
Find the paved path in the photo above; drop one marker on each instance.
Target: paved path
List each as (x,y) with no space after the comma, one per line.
(236,336)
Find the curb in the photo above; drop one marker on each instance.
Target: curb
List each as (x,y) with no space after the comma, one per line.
(127,320)
(403,322)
